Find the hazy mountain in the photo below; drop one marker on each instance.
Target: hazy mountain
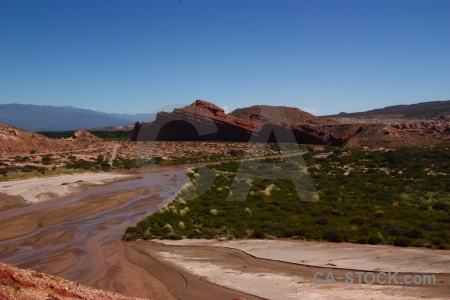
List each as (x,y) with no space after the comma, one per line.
(57,118)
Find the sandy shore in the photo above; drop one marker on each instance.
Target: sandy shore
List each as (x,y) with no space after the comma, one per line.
(336,255)
(35,190)
(181,283)
(271,270)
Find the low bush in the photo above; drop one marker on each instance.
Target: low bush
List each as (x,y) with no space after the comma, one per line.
(390,205)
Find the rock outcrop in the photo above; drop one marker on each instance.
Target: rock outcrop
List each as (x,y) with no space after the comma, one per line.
(382,130)
(205,121)
(276,114)
(202,121)
(402,134)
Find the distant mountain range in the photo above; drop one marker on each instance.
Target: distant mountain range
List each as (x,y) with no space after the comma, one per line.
(424,110)
(59,118)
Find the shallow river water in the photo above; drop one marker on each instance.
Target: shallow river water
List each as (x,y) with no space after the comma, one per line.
(86,246)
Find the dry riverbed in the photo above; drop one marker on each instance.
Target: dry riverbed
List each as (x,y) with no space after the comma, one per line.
(18,193)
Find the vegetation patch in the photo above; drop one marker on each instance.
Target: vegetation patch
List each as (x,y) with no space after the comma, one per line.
(399,197)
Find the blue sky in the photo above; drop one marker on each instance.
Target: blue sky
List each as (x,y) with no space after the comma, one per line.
(137,56)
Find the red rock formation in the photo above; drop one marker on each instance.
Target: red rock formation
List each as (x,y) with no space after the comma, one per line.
(199,121)
(205,121)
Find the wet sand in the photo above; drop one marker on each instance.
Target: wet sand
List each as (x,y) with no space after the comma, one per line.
(269,278)
(29,222)
(336,255)
(9,201)
(180,283)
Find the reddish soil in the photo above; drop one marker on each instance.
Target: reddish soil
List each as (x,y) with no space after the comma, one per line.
(18,284)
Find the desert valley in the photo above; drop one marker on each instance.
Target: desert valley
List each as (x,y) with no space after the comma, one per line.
(227,150)
(262,203)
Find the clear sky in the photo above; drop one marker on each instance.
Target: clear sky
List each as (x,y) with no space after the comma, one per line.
(138,55)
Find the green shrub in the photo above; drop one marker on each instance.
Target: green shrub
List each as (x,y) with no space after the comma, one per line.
(374,207)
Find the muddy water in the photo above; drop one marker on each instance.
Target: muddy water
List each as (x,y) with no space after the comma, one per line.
(84,243)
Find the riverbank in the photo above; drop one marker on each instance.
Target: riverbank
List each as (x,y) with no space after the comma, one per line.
(34,190)
(271,269)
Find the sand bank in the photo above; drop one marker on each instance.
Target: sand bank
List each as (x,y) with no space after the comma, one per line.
(35,190)
(239,265)
(336,255)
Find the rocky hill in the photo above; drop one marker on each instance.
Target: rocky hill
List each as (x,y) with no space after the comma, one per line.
(408,134)
(85,136)
(199,121)
(293,116)
(418,124)
(19,284)
(15,141)
(394,126)
(205,121)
